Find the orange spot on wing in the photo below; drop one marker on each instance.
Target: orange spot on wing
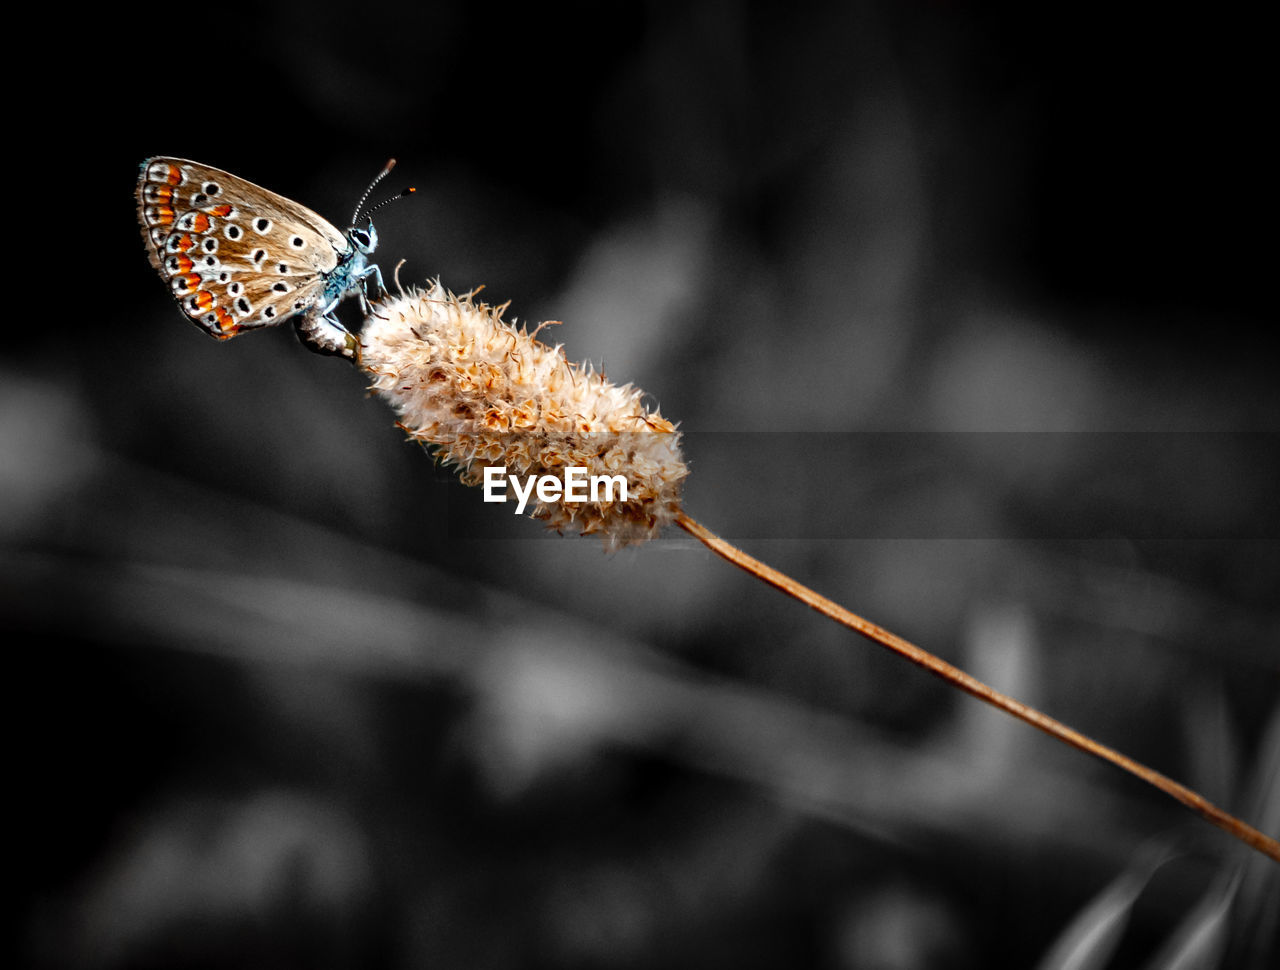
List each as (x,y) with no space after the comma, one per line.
(200,223)
(160,193)
(223,210)
(191,280)
(182,264)
(162,215)
(174,175)
(203,300)
(226,324)
(185,243)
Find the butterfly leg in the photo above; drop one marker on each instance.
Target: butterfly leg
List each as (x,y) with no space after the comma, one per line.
(323,334)
(363,278)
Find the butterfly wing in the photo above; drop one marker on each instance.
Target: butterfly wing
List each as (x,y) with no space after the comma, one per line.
(235,255)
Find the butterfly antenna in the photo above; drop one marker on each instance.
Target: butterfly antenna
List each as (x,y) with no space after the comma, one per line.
(409,191)
(355,218)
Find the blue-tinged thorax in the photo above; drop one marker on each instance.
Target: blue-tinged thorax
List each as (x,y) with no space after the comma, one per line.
(352,264)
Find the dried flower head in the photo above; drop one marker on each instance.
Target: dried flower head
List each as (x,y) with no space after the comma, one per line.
(485,394)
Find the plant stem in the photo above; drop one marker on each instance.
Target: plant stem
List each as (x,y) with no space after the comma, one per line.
(971,685)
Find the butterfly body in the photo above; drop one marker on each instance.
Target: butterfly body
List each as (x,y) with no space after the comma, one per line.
(239,257)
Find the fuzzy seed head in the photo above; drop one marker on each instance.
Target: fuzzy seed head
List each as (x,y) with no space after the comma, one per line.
(482,393)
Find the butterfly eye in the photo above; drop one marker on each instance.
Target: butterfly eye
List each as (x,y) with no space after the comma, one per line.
(360,238)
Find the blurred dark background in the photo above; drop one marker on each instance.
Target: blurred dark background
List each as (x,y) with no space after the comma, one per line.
(284,695)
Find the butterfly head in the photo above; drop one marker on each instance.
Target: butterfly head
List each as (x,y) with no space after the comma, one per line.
(364,241)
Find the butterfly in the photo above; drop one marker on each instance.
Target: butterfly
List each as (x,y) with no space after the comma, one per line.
(238,257)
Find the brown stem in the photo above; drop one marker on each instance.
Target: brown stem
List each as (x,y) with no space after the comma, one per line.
(971,685)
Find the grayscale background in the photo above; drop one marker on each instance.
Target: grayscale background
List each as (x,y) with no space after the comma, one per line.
(966,312)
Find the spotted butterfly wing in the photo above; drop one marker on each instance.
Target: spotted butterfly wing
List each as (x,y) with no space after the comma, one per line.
(235,255)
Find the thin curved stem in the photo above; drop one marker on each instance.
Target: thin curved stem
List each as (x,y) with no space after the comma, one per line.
(971,685)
